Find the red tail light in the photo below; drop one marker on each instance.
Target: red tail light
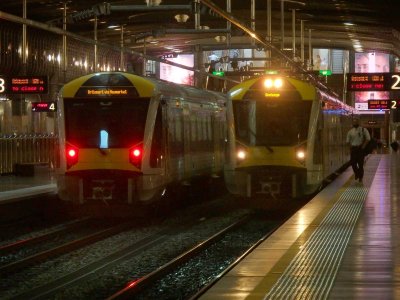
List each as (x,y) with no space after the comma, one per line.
(72,155)
(135,156)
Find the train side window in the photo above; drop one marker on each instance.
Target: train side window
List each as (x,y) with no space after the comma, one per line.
(241,114)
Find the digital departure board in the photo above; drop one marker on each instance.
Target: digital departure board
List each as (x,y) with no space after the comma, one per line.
(383,104)
(361,82)
(23,85)
(44,106)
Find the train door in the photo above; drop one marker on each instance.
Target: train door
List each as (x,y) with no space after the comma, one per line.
(187,139)
(218,137)
(157,152)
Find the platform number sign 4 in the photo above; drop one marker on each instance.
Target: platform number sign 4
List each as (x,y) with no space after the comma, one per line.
(44,106)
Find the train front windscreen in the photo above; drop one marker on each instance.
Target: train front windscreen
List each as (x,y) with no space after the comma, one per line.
(271,123)
(105,123)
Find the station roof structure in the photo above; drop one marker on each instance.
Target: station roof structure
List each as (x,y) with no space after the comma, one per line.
(165,26)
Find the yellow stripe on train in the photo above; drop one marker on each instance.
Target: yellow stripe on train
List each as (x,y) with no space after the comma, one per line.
(276,156)
(109,159)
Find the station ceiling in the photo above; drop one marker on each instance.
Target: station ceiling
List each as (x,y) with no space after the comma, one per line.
(153,24)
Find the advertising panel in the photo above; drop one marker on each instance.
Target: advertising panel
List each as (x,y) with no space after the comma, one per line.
(176,74)
(370,62)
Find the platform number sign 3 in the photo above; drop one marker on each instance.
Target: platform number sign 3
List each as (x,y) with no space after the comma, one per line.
(2,85)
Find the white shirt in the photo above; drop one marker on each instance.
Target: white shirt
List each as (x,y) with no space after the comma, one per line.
(356,136)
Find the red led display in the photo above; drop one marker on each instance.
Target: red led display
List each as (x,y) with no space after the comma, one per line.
(383,104)
(44,106)
(23,85)
(362,82)
(379,104)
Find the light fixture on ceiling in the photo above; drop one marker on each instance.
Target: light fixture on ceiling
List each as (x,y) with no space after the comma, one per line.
(181,18)
(153,2)
(220,38)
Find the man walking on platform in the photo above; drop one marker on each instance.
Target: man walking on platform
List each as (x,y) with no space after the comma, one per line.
(357,137)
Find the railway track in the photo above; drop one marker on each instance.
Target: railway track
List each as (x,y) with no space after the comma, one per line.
(30,241)
(87,237)
(199,267)
(146,281)
(134,287)
(183,253)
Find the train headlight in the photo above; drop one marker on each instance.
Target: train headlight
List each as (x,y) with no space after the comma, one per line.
(135,156)
(276,83)
(268,83)
(241,154)
(72,155)
(301,155)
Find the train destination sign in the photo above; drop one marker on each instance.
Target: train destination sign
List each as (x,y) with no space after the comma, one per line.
(44,106)
(360,82)
(23,85)
(113,91)
(383,104)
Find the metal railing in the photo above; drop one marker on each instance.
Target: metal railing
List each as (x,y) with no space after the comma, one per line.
(26,148)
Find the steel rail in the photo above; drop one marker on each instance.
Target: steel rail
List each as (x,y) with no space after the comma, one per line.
(43,237)
(68,247)
(138,285)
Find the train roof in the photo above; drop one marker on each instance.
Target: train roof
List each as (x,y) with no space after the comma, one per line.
(126,84)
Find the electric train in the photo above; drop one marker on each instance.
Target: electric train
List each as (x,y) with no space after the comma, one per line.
(126,139)
(291,136)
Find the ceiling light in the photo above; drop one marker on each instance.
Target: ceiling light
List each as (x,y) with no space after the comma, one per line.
(153,2)
(220,38)
(181,18)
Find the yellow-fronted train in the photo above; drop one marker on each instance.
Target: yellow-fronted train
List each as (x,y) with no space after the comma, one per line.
(291,136)
(126,139)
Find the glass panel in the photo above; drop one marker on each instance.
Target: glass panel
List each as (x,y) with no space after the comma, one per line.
(268,123)
(123,119)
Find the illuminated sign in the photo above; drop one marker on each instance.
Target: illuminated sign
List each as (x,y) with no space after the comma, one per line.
(100,91)
(373,81)
(44,106)
(383,104)
(272,95)
(23,85)
(218,73)
(325,72)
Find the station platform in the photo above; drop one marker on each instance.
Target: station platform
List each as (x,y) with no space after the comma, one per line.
(14,188)
(343,244)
